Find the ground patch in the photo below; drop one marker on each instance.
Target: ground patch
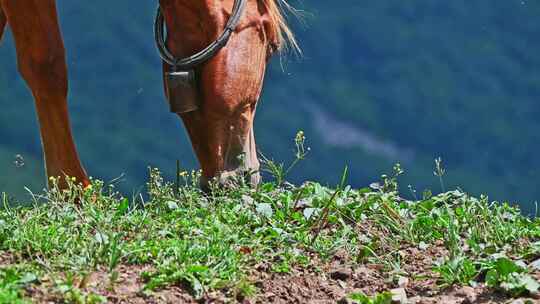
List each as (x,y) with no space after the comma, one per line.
(279,243)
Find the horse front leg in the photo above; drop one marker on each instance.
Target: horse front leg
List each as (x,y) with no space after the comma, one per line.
(41,62)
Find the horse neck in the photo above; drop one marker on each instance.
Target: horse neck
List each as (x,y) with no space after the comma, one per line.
(194,22)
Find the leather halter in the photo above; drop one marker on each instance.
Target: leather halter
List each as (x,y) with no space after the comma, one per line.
(188,63)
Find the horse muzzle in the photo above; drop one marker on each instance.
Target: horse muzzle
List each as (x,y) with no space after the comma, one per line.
(182,91)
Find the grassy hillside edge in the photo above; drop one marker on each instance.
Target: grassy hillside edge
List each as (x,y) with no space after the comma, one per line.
(279,242)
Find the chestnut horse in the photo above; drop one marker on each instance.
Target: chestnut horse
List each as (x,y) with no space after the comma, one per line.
(227,84)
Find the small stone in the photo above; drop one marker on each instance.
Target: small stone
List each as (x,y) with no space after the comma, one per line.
(342,274)
(342,284)
(535,265)
(468,293)
(270,295)
(423,246)
(403,282)
(415,300)
(399,296)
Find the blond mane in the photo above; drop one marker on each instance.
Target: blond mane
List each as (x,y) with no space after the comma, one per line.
(285,36)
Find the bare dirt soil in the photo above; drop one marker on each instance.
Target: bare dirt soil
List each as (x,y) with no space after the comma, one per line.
(321,283)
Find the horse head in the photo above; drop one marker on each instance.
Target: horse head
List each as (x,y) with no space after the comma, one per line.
(221,84)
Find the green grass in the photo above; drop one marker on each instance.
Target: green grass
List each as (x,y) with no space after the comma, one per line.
(211,242)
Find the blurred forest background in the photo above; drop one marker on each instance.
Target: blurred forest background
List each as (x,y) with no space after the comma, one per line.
(380,82)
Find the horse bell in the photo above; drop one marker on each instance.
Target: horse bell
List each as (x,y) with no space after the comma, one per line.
(182,91)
